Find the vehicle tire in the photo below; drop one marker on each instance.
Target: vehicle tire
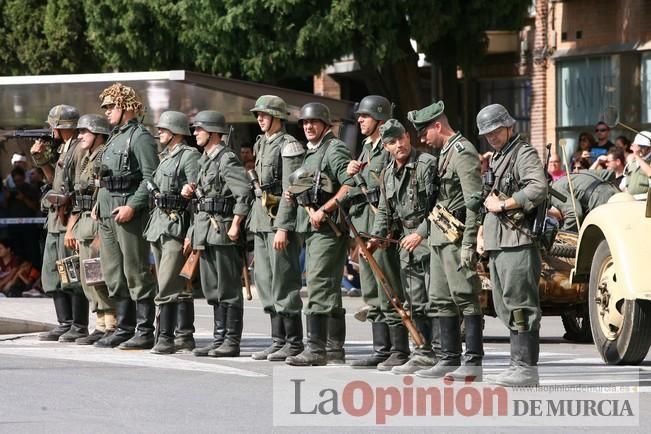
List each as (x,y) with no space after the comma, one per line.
(577,325)
(621,328)
(562,250)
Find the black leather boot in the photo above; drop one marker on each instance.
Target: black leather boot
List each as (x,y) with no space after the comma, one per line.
(336,338)
(79,328)
(143,339)
(166,324)
(381,347)
(399,348)
(471,370)
(98,333)
(233,337)
(450,349)
(277,338)
(63,308)
(184,340)
(293,339)
(525,370)
(125,312)
(315,352)
(423,357)
(219,331)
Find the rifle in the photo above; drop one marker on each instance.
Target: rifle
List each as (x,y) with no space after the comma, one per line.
(42,134)
(245,274)
(191,265)
(361,183)
(381,278)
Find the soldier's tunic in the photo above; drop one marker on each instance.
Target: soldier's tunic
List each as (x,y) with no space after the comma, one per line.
(636,181)
(127,163)
(170,219)
(225,189)
(515,261)
(363,217)
(325,253)
(404,203)
(86,228)
(455,291)
(54,248)
(591,189)
(277,272)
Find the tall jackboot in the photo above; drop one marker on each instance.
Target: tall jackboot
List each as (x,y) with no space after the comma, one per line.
(219,331)
(336,337)
(471,370)
(399,348)
(166,325)
(143,339)
(423,357)
(125,312)
(450,349)
(79,327)
(98,333)
(184,340)
(381,347)
(233,336)
(315,352)
(277,338)
(436,337)
(63,308)
(525,370)
(293,339)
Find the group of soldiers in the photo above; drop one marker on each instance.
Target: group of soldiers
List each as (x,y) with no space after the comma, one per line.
(424,216)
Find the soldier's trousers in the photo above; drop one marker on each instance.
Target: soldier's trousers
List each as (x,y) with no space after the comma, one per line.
(220,269)
(54,250)
(169,260)
(124,255)
(415,275)
(453,291)
(97,295)
(325,256)
(381,309)
(278,274)
(515,275)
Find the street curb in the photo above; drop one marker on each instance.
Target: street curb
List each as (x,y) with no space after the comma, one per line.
(11,326)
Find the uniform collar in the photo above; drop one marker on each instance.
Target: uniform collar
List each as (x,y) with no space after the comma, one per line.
(128,124)
(507,148)
(213,154)
(274,136)
(411,162)
(95,153)
(169,153)
(313,147)
(451,141)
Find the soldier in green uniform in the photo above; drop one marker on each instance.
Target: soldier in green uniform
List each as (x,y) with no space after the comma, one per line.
(277,246)
(82,228)
(223,200)
(70,304)
(520,184)
(168,223)
(406,191)
(127,163)
(390,337)
(455,286)
(324,176)
(637,174)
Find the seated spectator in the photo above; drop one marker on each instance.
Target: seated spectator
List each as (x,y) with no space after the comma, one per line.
(246,154)
(17,160)
(554,167)
(581,164)
(623,143)
(36,177)
(602,132)
(586,143)
(637,175)
(15,276)
(615,162)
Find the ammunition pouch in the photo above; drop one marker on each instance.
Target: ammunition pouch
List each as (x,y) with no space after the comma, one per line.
(215,205)
(447,222)
(371,197)
(119,183)
(84,202)
(411,223)
(170,202)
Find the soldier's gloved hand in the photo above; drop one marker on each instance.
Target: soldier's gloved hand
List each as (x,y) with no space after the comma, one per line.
(468,257)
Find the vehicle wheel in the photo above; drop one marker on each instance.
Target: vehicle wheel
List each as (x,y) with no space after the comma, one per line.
(577,325)
(562,250)
(621,328)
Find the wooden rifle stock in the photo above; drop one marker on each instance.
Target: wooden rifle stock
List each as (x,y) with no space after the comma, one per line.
(328,220)
(245,274)
(384,283)
(191,265)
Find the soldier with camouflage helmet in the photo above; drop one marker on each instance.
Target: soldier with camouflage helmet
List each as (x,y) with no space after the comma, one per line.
(168,223)
(390,338)
(70,304)
(223,197)
(320,181)
(277,246)
(515,262)
(455,286)
(127,163)
(93,133)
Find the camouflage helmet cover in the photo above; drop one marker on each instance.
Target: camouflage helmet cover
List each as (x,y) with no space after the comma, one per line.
(211,121)
(315,110)
(122,96)
(492,117)
(376,106)
(271,105)
(63,116)
(96,124)
(174,121)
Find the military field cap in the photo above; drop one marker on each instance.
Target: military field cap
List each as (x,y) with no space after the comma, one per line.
(391,130)
(423,117)
(643,138)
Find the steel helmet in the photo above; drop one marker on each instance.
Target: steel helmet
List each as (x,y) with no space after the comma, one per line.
(176,122)
(63,116)
(376,106)
(271,105)
(211,121)
(493,117)
(96,124)
(315,110)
